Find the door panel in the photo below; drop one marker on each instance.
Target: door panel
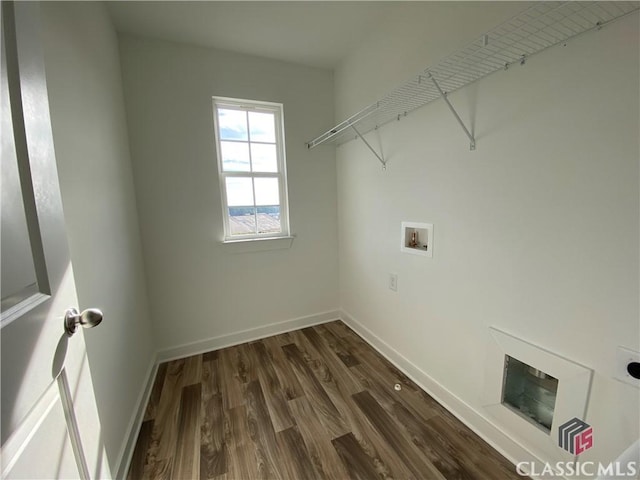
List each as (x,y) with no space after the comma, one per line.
(47,416)
(18,273)
(48,406)
(19,277)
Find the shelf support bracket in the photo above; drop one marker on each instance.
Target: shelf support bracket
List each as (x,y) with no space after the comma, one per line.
(379,157)
(472,145)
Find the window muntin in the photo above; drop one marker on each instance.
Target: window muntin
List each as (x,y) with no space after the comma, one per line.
(251,166)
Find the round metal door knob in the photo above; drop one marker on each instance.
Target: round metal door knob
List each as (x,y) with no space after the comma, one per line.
(89,318)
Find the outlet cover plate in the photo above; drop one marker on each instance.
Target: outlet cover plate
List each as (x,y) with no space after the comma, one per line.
(393,282)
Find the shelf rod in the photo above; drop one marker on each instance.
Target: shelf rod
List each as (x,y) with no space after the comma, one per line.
(472,145)
(384,164)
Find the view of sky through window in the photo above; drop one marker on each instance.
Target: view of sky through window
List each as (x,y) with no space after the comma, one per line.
(249,143)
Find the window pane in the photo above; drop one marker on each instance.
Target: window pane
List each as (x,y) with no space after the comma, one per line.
(250,151)
(239,192)
(262,127)
(242,220)
(267,192)
(263,158)
(269,220)
(235,156)
(232,124)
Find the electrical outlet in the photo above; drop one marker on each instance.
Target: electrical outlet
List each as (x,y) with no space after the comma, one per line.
(393,282)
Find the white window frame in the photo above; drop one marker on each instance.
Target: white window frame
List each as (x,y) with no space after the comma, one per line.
(281,174)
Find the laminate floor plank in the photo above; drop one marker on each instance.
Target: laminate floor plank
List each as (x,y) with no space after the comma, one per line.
(213,451)
(340,348)
(308,353)
(296,463)
(243,462)
(245,364)
(340,391)
(233,392)
(262,433)
(312,404)
(211,377)
(387,463)
(160,456)
(383,423)
(334,366)
(315,393)
(434,447)
(475,452)
(358,463)
(186,464)
(192,370)
(210,356)
(136,470)
(377,362)
(156,391)
(290,385)
(325,459)
(339,329)
(274,396)
(213,447)
(282,339)
(382,387)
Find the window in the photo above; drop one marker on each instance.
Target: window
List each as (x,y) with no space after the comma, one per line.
(251,166)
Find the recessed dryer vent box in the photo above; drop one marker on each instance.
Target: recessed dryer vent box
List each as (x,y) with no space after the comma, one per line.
(417,238)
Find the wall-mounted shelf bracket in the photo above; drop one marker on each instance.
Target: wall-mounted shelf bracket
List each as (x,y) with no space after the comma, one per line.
(540,26)
(472,144)
(378,156)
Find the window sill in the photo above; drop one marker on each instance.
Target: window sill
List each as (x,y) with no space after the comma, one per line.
(258,244)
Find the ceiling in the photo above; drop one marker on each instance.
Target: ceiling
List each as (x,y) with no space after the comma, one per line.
(317,34)
(314,33)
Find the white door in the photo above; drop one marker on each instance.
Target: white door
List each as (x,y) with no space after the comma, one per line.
(49,424)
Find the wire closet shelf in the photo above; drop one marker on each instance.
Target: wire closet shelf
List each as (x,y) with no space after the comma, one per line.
(537,28)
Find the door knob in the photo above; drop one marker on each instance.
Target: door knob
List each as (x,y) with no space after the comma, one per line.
(89,318)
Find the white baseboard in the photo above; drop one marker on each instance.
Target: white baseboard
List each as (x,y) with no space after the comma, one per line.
(464,412)
(124,459)
(473,419)
(194,348)
(223,341)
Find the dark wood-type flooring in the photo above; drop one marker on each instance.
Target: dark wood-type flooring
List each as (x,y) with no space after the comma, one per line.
(317,403)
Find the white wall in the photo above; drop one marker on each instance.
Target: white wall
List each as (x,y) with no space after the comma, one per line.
(92,150)
(536,232)
(411,38)
(198,287)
